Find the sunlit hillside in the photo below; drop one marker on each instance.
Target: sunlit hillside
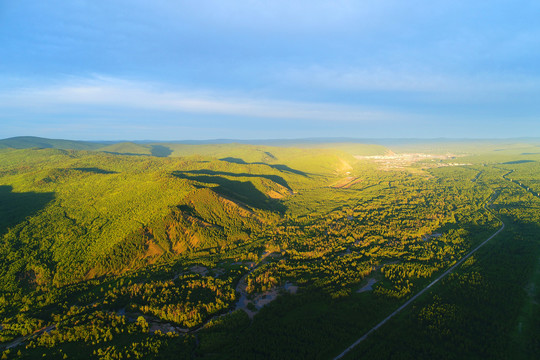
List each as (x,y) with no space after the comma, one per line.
(240,251)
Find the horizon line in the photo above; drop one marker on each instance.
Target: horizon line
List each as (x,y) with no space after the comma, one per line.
(329,139)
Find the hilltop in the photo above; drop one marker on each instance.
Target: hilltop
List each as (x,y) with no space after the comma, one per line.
(236,250)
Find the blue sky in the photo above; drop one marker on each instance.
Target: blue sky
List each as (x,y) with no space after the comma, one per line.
(172,70)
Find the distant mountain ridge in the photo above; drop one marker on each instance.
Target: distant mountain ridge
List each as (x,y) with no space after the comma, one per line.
(19,141)
(214,147)
(186,147)
(26,142)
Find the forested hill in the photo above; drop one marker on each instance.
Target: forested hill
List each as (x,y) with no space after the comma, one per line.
(354,146)
(242,251)
(215,148)
(27,142)
(71,215)
(297,157)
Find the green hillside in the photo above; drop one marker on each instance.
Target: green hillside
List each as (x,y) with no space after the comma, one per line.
(127,148)
(87,207)
(236,251)
(305,160)
(26,142)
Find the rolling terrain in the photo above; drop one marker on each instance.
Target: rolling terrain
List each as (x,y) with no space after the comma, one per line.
(247,250)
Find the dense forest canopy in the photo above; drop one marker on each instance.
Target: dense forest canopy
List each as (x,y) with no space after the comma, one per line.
(269,250)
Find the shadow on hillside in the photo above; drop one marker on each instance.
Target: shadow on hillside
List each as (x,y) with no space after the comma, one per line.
(242,191)
(15,207)
(277,167)
(95,170)
(285,168)
(277,179)
(519,162)
(160,151)
(234,160)
(124,153)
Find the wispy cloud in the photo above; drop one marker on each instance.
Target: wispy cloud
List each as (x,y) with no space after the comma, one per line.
(123,94)
(411,79)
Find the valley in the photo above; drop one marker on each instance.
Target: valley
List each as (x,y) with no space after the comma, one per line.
(241,251)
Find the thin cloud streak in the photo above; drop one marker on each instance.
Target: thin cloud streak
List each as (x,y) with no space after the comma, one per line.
(406,80)
(118,93)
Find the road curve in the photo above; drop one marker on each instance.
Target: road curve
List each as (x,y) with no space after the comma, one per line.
(451,269)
